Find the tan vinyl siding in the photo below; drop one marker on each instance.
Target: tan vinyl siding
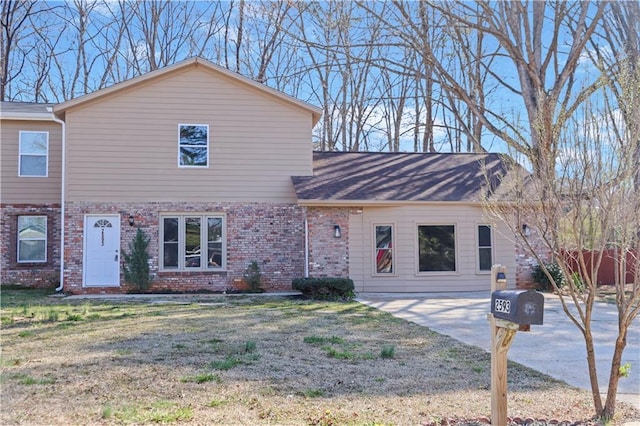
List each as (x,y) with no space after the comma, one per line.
(29,190)
(124,147)
(356,250)
(405,221)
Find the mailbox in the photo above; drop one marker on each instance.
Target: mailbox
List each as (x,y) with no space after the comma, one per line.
(518,306)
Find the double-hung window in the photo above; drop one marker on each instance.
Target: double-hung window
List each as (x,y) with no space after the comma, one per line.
(193,145)
(192,242)
(32,239)
(436,248)
(384,249)
(33,154)
(485,248)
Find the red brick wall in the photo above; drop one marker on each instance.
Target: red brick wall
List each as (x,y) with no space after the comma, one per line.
(525,261)
(328,255)
(271,234)
(29,274)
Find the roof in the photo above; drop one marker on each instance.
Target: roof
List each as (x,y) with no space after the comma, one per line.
(192,62)
(25,111)
(371,178)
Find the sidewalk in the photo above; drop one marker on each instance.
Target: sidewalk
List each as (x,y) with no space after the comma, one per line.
(555,348)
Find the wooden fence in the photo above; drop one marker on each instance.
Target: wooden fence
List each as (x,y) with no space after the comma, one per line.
(609,266)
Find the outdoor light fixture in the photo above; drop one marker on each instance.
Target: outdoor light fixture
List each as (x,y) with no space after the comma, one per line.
(336,231)
(131,220)
(501,277)
(526,231)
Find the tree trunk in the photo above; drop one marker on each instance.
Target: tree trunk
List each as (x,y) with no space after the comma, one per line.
(614,375)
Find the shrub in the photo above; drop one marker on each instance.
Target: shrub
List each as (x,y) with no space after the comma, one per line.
(540,278)
(136,262)
(388,351)
(325,288)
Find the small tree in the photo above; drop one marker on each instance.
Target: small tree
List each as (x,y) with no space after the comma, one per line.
(136,262)
(585,210)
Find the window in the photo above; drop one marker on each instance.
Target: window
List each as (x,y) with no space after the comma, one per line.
(192,242)
(193,145)
(32,239)
(436,248)
(384,249)
(33,152)
(485,258)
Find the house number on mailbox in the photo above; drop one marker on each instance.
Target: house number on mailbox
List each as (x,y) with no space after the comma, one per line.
(502,305)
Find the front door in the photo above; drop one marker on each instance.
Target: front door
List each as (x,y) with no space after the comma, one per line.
(101,251)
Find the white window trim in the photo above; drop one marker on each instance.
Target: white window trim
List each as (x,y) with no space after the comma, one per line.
(46,237)
(456,252)
(198,146)
(493,248)
(20,154)
(374,264)
(181,243)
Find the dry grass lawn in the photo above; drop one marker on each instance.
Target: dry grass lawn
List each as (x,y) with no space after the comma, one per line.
(216,360)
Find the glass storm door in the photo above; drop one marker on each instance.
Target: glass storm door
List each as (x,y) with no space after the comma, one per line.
(101,251)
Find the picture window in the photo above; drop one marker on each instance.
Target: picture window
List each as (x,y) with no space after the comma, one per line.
(192,242)
(436,248)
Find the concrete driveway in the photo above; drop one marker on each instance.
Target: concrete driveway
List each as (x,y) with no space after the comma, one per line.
(555,348)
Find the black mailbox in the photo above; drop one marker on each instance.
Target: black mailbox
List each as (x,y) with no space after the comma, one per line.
(518,306)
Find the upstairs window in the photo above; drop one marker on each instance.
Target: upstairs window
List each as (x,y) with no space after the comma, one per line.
(193,145)
(32,239)
(33,153)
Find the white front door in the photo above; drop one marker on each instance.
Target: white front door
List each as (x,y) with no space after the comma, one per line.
(101,251)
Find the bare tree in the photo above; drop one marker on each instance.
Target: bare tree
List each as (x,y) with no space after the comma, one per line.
(314,21)
(17,42)
(620,63)
(160,33)
(545,68)
(466,48)
(584,221)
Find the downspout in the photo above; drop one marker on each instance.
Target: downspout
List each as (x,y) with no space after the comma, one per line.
(306,248)
(62,198)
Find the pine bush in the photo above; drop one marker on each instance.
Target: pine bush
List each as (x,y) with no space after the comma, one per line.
(136,262)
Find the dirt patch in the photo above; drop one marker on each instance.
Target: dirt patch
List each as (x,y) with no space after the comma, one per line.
(235,361)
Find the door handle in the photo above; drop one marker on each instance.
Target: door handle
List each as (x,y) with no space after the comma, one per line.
(116,257)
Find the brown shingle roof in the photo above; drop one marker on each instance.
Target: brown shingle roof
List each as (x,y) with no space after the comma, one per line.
(405,177)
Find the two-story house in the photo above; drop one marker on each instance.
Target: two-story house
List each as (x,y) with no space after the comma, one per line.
(219,171)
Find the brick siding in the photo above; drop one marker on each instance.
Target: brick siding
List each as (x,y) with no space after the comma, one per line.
(328,255)
(525,261)
(35,274)
(271,234)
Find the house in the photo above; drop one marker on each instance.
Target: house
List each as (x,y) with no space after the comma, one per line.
(219,171)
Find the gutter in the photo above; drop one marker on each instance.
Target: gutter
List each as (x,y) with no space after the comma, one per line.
(306,247)
(62,197)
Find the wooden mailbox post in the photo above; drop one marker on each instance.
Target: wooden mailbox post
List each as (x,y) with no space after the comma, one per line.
(511,311)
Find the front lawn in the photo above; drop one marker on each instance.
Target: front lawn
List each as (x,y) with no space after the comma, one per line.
(215,360)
